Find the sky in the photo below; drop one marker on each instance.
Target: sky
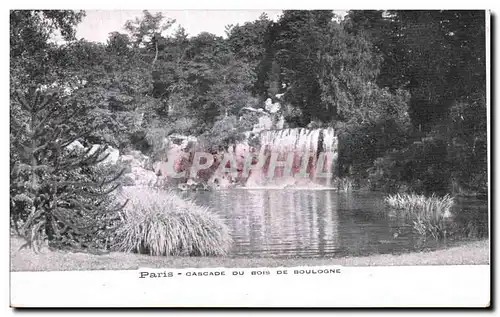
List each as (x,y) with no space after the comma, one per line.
(97,24)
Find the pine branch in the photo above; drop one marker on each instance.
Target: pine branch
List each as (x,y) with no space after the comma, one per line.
(120,207)
(26,149)
(101,193)
(48,116)
(65,219)
(20,98)
(83,160)
(45,101)
(31,218)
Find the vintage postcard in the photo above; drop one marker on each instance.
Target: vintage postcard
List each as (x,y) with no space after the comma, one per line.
(250,158)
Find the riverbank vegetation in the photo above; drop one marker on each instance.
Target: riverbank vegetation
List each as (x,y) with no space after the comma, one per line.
(405,92)
(433,206)
(427,214)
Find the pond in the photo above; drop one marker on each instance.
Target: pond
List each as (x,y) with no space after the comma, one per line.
(324,223)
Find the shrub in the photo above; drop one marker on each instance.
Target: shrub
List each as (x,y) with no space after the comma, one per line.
(159,222)
(427,214)
(361,145)
(156,136)
(225,132)
(185,126)
(422,167)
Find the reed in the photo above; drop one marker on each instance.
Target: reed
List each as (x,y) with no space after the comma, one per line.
(158,222)
(344,184)
(426,213)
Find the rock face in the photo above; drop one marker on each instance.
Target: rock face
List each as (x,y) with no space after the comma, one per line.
(265,123)
(75,145)
(177,149)
(280,123)
(138,169)
(272,107)
(111,153)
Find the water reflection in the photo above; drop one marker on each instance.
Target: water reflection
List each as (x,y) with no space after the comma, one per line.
(322,223)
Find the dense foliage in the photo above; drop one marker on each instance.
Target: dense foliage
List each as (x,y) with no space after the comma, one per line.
(406,91)
(439,57)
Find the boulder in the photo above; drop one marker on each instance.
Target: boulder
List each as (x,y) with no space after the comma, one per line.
(112,156)
(280,123)
(112,153)
(134,160)
(268,103)
(273,107)
(138,169)
(75,145)
(143,177)
(143,160)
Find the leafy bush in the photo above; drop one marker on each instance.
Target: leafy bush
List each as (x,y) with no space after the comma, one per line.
(162,223)
(156,136)
(247,120)
(361,145)
(422,167)
(224,132)
(468,146)
(452,157)
(184,126)
(387,174)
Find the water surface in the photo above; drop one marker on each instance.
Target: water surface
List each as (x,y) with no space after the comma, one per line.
(325,223)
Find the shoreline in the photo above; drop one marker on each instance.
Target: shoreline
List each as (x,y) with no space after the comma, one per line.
(469,253)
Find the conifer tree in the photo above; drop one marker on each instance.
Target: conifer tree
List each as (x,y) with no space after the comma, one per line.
(59,192)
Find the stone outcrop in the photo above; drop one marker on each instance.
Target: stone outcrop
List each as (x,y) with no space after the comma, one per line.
(138,169)
(110,153)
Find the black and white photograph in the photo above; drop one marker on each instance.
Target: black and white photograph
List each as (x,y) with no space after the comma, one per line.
(208,144)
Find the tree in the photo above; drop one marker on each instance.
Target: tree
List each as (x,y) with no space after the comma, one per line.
(248,42)
(329,73)
(114,82)
(32,34)
(348,86)
(56,193)
(148,31)
(299,44)
(59,192)
(439,56)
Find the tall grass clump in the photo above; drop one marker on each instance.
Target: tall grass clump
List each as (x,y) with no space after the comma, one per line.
(426,213)
(344,184)
(158,222)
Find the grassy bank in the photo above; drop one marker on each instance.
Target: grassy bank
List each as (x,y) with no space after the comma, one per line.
(25,260)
